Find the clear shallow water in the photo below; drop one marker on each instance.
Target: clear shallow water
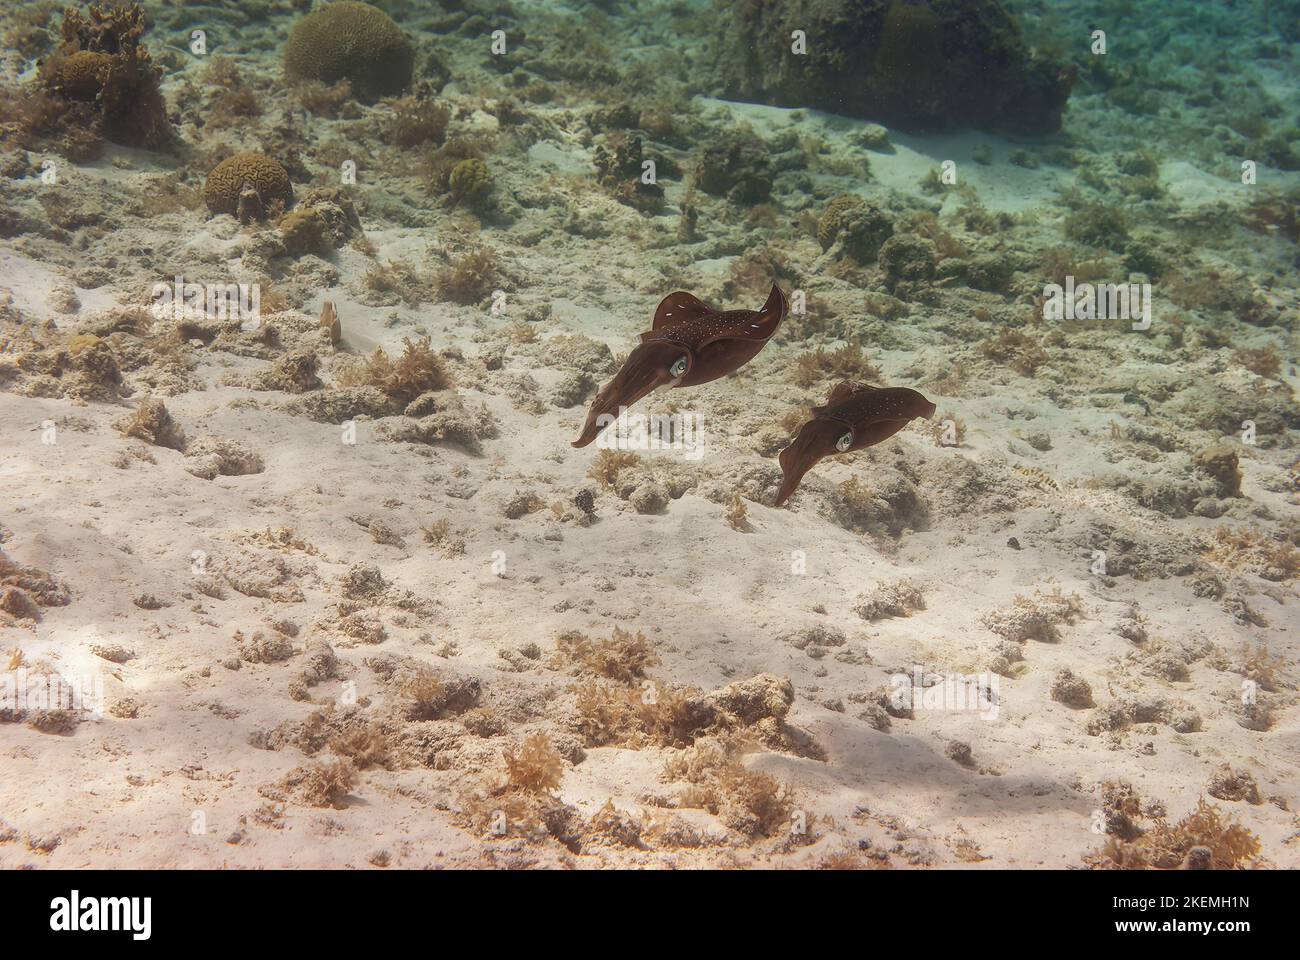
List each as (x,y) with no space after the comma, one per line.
(351,548)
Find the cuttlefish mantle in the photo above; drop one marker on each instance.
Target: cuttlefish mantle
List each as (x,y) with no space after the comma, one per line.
(690,343)
(854,416)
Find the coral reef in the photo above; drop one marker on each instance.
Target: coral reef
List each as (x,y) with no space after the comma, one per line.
(350,41)
(340,523)
(103,80)
(228,180)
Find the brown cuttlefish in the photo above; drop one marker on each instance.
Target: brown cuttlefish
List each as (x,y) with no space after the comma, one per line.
(854,416)
(690,343)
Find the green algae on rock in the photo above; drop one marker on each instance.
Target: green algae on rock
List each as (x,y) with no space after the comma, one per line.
(857,226)
(354,42)
(470,182)
(735,165)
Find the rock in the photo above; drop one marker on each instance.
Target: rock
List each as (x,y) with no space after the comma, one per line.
(1219,463)
(856,227)
(217,457)
(735,165)
(650,497)
(17,603)
(874,137)
(960,752)
(765,696)
(919,65)
(907,259)
(329,322)
(1071,690)
(153,424)
(1229,784)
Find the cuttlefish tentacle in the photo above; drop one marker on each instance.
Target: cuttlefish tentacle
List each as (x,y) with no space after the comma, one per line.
(855,416)
(689,344)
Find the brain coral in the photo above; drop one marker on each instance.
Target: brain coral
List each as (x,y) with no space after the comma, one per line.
(354,42)
(81,75)
(221,192)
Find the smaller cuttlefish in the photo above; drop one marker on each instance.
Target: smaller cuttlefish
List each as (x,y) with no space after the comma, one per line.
(690,343)
(854,416)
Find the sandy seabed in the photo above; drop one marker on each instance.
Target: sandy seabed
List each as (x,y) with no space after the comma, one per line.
(333,608)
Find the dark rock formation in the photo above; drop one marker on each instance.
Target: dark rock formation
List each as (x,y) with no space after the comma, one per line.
(915,64)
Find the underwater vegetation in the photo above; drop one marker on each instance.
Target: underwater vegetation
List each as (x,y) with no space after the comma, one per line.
(100,83)
(1205,839)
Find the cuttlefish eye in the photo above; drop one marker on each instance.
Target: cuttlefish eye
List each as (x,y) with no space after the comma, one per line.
(678,369)
(844,442)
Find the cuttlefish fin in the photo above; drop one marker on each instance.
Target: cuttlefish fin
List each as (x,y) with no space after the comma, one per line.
(678,307)
(754,325)
(843,390)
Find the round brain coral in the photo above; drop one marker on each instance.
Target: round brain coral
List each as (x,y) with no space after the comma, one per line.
(354,42)
(227,179)
(81,75)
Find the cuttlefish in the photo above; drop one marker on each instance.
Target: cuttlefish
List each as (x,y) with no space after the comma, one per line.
(854,416)
(690,343)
